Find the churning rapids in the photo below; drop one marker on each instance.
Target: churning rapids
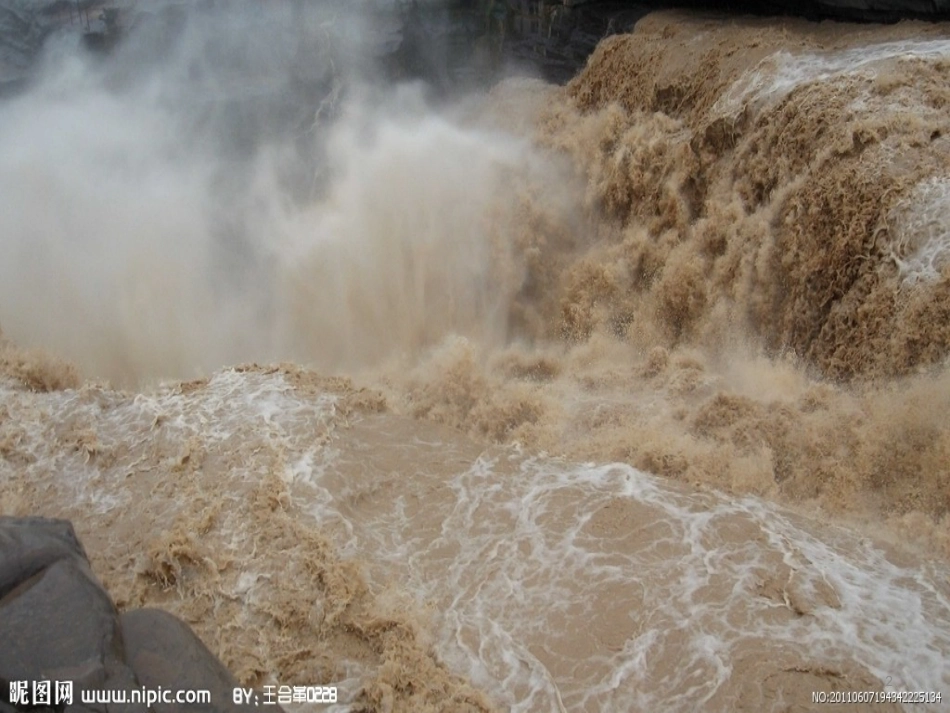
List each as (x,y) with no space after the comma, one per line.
(628,395)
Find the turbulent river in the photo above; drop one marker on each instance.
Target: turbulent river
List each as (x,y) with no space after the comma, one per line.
(626,395)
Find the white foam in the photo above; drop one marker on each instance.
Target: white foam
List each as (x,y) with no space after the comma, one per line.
(518,566)
(779,74)
(235,407)
(528,569)
(921,232)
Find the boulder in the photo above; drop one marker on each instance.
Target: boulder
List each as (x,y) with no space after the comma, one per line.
(57,623)
(164,652)
(56,620)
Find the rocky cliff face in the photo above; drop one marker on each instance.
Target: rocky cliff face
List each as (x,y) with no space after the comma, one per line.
(433,40)
(22,31)
(860,10)
(558,35)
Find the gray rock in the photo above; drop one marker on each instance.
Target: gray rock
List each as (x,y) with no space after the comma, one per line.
(28,545)
(164,652)
(57,623)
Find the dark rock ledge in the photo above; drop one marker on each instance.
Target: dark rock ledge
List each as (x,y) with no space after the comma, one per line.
(57,623)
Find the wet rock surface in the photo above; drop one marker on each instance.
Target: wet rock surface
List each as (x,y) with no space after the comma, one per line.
(58,624)
(447,43)
(161,648)
(557,36)
(22,32)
